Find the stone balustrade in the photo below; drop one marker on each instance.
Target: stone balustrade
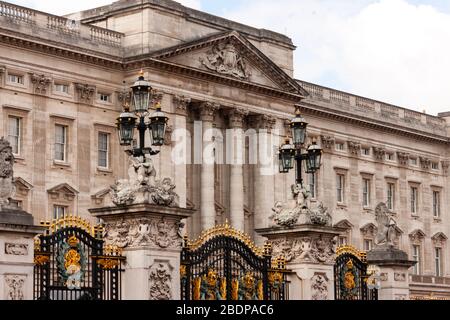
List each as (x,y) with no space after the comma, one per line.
(372,109)
(51,27)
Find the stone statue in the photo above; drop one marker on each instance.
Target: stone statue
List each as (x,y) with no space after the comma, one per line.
(7,188)
(386,226)
(285,217)
(320,216)
(142,186)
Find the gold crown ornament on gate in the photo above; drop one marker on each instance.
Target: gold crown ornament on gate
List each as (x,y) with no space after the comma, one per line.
(73,241)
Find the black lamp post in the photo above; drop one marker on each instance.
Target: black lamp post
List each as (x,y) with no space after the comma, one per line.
(128,121)
(288,152)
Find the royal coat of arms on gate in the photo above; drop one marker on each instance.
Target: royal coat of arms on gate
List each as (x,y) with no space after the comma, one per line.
(349,279)
(71,261)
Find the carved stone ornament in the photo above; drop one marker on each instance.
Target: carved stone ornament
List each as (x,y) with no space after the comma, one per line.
(379,153)
(7,188)
(300,211)
(160,282)
(403,158)
(17,249)
(226,59)
(144,232)
(124,97)
(313,249)
(384,277)
(41,83)
(417,236)
(181,103)
(236,117)
(327,142)
(425,163)
(85,92)
(319,287)
(445,165)
(386,228)
(354,147)
(142,187)
(400,276)
(14,286)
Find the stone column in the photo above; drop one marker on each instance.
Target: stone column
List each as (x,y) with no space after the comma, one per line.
(17,231)
(394,265)
(236,157)
(208,210)
(151,239)
(310,251)
(264,180)
(181,103)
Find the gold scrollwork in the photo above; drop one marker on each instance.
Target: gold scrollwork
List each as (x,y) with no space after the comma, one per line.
(351,250)
(108,263)
(73,221)
(197,285)
(41,259)
(235,289)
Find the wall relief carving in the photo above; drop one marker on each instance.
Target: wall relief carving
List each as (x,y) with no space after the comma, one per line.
(157,233)
(160,282)
(7,188)
(14,286)
(17,249)
(41,83)
(319,287)
(226,59)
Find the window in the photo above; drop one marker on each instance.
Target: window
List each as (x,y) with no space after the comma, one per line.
(104,97)
(14,136)
(416,257)
(366,192)
(413,162)
(340,146)
(312,179)
(60,142)
(103,150)
(365,151)
(391,196)
(64,88)
(14,78)
(436,204)
(340,185)
(59,212)
(435,165)
(368,244)
(390,156)
(414,200)
(343,241)
(438,262)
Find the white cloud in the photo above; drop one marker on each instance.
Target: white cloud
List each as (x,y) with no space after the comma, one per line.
(388,50)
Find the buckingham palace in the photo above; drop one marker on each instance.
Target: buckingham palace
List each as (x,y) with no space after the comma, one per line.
(65,89)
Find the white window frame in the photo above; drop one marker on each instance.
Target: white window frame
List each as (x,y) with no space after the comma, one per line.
(340,188)
(343,240)
(18,135)
(413,162)
(12,77)
(416,256)
(61,85)
(435,165)
(390,195)
(312,183)
(438,265)
(341,144)
(367,244)
(107,151)
(414,199)
(364,150)
(436,204)
(366,192)
(57,208)
(64,143)
(389,155)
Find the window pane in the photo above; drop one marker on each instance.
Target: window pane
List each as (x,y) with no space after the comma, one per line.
(14,134)
(103,149)
(60,142)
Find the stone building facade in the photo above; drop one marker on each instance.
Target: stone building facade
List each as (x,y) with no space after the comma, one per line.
(63,82)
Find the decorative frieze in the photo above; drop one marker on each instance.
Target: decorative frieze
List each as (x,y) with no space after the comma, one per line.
(403,158)
(157,233)
(319,287)
(85,93)
(354,147)
(160,281)
(16,249)
(14,286)
(40,83)
(379,153)
(327,142)
(312,249)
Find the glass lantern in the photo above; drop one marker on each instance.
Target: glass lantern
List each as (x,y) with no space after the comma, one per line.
(125,125)
(298,127)
(286,157)
(313,161)
(141,95)
(157,126)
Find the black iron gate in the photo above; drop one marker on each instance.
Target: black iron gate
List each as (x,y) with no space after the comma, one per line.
(350,275)
(72,263)
(224,264)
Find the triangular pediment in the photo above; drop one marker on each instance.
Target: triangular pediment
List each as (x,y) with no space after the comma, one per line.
(63,188)
(344,224)
(231,55)
(22,184)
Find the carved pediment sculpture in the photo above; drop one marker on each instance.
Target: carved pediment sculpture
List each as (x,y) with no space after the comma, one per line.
(226,59)
(439,239)
(417,236)
(64,191)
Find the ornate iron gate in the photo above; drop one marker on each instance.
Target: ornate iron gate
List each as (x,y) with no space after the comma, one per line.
(350,275)
(224,264)
(72,263)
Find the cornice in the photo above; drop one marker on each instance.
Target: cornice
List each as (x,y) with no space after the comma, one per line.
(309,108)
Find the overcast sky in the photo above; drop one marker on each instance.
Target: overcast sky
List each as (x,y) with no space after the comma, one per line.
(396,51)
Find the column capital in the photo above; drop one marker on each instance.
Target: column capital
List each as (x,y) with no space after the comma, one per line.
(41,83)
(157,96)
(264,121)
(85,92)
(236,117)
(208,110)
(181,103)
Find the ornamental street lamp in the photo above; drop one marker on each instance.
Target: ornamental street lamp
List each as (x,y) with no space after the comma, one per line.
(128,121)
(288,152)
